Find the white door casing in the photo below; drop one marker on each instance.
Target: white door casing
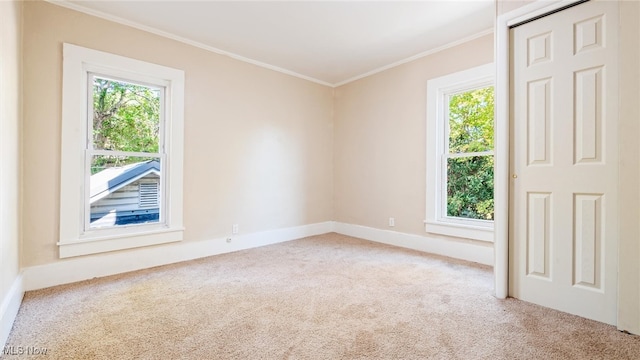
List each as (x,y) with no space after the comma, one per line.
(563,230)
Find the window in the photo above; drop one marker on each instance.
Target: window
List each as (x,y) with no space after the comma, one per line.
(460,154)
(125,123)
(122,145)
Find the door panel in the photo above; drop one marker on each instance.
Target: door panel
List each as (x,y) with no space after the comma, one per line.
(564,161)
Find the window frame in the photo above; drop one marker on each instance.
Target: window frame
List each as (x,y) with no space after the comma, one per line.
(438,93)
(76,238)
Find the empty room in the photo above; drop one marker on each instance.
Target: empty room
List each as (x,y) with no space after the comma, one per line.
(320,179)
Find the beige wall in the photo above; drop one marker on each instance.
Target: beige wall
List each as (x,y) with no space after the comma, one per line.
(10,98)
(380,139)
(258,144)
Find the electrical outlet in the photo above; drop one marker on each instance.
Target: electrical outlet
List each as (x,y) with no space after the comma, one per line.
(234,229)
(392,222)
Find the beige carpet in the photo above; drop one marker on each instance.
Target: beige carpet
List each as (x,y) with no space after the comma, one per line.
(323,297)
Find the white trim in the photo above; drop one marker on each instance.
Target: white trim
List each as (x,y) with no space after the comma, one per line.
(438,90)
(78,63)
(417,56)
(461,229)
(105,264)
(501,133)
(9,308)
(468,154)
(538,8)
(125,153)
(469,250)
(100,244)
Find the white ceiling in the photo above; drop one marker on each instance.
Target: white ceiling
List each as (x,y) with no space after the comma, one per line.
(329,42)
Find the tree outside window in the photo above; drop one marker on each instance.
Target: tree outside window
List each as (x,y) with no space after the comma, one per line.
(469,175)
(126,117)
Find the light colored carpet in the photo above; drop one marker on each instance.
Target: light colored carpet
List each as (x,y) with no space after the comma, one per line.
(323,297)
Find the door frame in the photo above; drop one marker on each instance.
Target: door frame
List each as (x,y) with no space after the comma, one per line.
(502,130)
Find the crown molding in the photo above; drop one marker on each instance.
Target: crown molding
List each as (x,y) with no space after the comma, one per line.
(73,6)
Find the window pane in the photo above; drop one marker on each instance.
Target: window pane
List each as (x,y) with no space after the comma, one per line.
(471,121)
(126,117)
(124,190)
(470,187)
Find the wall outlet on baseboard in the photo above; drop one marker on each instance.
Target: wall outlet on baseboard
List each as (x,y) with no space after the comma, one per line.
(234,229)
(392,222)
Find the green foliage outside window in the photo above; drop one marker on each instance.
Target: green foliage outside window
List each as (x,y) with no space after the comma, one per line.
(126,117)
(470,178)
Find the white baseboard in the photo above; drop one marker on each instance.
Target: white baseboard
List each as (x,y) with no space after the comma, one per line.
(9,309)
(83,268)
(470,250)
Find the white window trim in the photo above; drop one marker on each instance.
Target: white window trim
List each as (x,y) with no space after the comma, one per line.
(437,90)
(74,241)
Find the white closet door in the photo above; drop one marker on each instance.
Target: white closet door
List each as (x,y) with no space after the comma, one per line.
(564,161)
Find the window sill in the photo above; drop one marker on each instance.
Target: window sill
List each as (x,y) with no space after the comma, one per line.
(465,231)
(131,240)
